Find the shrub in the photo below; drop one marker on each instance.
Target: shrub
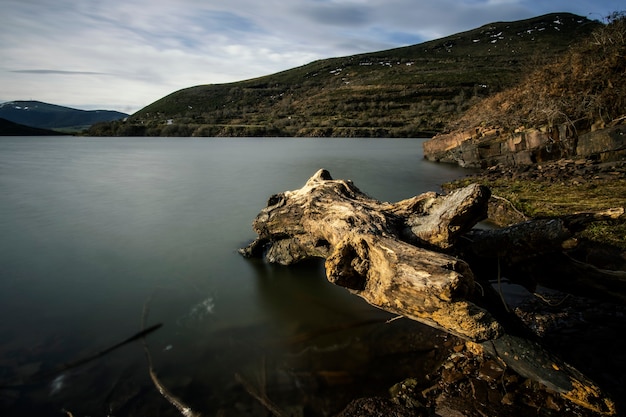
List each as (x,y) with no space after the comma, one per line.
(586,85)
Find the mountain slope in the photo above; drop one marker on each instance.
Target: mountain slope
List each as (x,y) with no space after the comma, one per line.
(51,116)
(586,84)
(8,128)
(403,92)
(575,106)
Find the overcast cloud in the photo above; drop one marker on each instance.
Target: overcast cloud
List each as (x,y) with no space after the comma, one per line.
(125,54)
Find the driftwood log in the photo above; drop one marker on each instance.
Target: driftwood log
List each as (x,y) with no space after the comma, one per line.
(397,256)
(365,244)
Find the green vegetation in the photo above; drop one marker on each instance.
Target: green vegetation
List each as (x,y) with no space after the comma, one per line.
(412,91)
(548,199)
(537,198)
(611,233)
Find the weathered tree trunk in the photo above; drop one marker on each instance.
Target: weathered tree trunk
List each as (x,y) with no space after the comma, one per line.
(363,242)
(370,249)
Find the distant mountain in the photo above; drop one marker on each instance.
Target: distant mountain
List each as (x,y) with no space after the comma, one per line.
(8,128)
(51,116)
(412,91)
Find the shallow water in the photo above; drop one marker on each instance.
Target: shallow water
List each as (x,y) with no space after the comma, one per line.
(96,233)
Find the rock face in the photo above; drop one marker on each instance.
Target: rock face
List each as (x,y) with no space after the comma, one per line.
(481,148)
(607,144)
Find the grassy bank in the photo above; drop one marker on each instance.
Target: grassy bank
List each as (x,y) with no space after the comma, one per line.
(561,188)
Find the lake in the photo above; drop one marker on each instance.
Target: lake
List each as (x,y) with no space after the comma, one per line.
(98,235)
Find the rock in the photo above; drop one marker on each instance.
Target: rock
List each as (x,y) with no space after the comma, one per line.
(521,240)
(403,393)
(486,147)
(490,371)
(378,407)
(605,145)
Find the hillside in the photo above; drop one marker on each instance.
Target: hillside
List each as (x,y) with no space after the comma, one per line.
(575,106)
(555,144)
(50,116)
(8,128)
(404,92)
(586,84)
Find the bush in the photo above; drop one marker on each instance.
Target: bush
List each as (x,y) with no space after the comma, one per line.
(586,86)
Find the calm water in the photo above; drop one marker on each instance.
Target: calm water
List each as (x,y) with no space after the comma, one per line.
(96,233)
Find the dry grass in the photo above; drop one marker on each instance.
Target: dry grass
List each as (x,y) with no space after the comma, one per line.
(539,199)
(583,87)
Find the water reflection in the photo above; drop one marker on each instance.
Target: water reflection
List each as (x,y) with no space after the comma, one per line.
(334,346)
(92,228)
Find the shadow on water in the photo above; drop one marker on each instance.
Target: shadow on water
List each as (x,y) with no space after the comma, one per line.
(332,346)
(318,348)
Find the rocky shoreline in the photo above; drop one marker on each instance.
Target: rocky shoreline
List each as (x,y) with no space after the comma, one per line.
(556,298)
(571,171)
(559,188)
(469,383)
(579,328)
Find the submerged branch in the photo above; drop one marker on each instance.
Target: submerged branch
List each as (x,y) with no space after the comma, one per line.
(260,397)
(184,409)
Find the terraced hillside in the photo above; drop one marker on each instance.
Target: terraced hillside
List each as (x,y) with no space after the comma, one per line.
(405,92)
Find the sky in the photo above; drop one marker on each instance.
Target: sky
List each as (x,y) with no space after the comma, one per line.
(125,54)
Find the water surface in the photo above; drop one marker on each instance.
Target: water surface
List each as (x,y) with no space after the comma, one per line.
(96,233)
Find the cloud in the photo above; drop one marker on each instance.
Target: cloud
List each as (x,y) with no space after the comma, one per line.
(335,14)
(59,72)
(132,52)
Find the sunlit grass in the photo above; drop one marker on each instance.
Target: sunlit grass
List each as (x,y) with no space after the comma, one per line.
(543,199)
